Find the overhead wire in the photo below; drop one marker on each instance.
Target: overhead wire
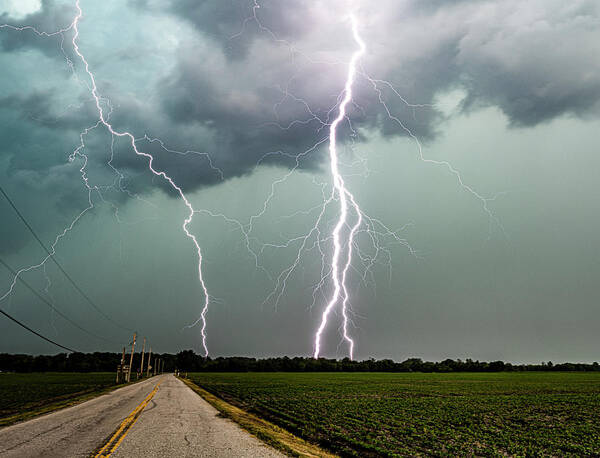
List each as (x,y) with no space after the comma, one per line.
(64,272)
(23,325)
(49,304)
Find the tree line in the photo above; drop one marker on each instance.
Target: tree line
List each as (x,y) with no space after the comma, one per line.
(189,361)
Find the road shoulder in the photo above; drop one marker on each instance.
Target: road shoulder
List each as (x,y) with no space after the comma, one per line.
(59,405)
(266,431)
(73,431)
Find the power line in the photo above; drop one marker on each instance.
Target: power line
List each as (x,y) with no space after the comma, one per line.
(51,255)
(49,304)
(23,325)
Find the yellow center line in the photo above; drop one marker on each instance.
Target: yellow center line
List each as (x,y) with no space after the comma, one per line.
(125,427)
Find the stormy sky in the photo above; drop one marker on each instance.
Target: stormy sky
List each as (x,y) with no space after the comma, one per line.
(499,261)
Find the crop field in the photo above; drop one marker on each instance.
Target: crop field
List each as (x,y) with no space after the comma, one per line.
(401,414)
(22,393)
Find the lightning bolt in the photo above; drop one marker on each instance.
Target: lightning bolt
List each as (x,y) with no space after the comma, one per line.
(339,269)
(338,246)
(104,120)
(159,173)
(344,234)
(345,245)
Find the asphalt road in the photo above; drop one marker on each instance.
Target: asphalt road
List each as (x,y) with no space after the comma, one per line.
(159,417)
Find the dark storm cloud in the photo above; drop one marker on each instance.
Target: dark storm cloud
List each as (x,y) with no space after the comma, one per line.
(267,97)
(531,60)
(241,95)
(242,120)
(49,18)
(182,71)
(231,25)
(42,108)
(41,131)
(38,135)
(534,61)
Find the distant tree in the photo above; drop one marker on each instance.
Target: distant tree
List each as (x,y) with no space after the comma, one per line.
(189,361)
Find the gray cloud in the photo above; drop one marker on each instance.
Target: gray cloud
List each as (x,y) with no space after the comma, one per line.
(534,62)
(179,72)
(531,60)
(51,17)
(237,92)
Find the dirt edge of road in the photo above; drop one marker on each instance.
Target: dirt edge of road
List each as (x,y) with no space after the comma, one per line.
(59,405)
(268,432)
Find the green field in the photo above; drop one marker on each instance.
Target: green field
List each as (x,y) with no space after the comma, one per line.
(23,395)
(401,414)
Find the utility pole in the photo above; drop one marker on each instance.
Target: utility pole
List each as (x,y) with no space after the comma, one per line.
(148,365)
(142,363)
(120,370)
(131,358)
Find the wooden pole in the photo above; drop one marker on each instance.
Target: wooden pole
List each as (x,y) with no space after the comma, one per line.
(131,358)
(142,363)
(120,368)
(148,364)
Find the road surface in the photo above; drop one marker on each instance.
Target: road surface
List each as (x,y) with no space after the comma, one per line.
(158,417)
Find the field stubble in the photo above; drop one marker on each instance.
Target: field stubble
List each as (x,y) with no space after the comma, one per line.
(23,396)
(407,414)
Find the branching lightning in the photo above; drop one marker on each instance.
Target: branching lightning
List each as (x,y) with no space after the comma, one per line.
(335,239)
(104,119)
(339,269)
(351,220)
(161,174)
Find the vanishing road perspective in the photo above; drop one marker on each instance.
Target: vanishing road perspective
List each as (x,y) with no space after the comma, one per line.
(158,417)
(309,228)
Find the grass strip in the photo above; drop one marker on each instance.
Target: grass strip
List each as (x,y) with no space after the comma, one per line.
(59,405)
(268,432)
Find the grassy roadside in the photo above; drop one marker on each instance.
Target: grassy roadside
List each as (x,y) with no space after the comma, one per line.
(42,406)
(269,433)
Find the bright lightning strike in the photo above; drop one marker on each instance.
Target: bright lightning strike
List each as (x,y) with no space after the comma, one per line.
(104,119)
(346,229)
(343,237)
(338,270)
(349,222)
(161,174)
